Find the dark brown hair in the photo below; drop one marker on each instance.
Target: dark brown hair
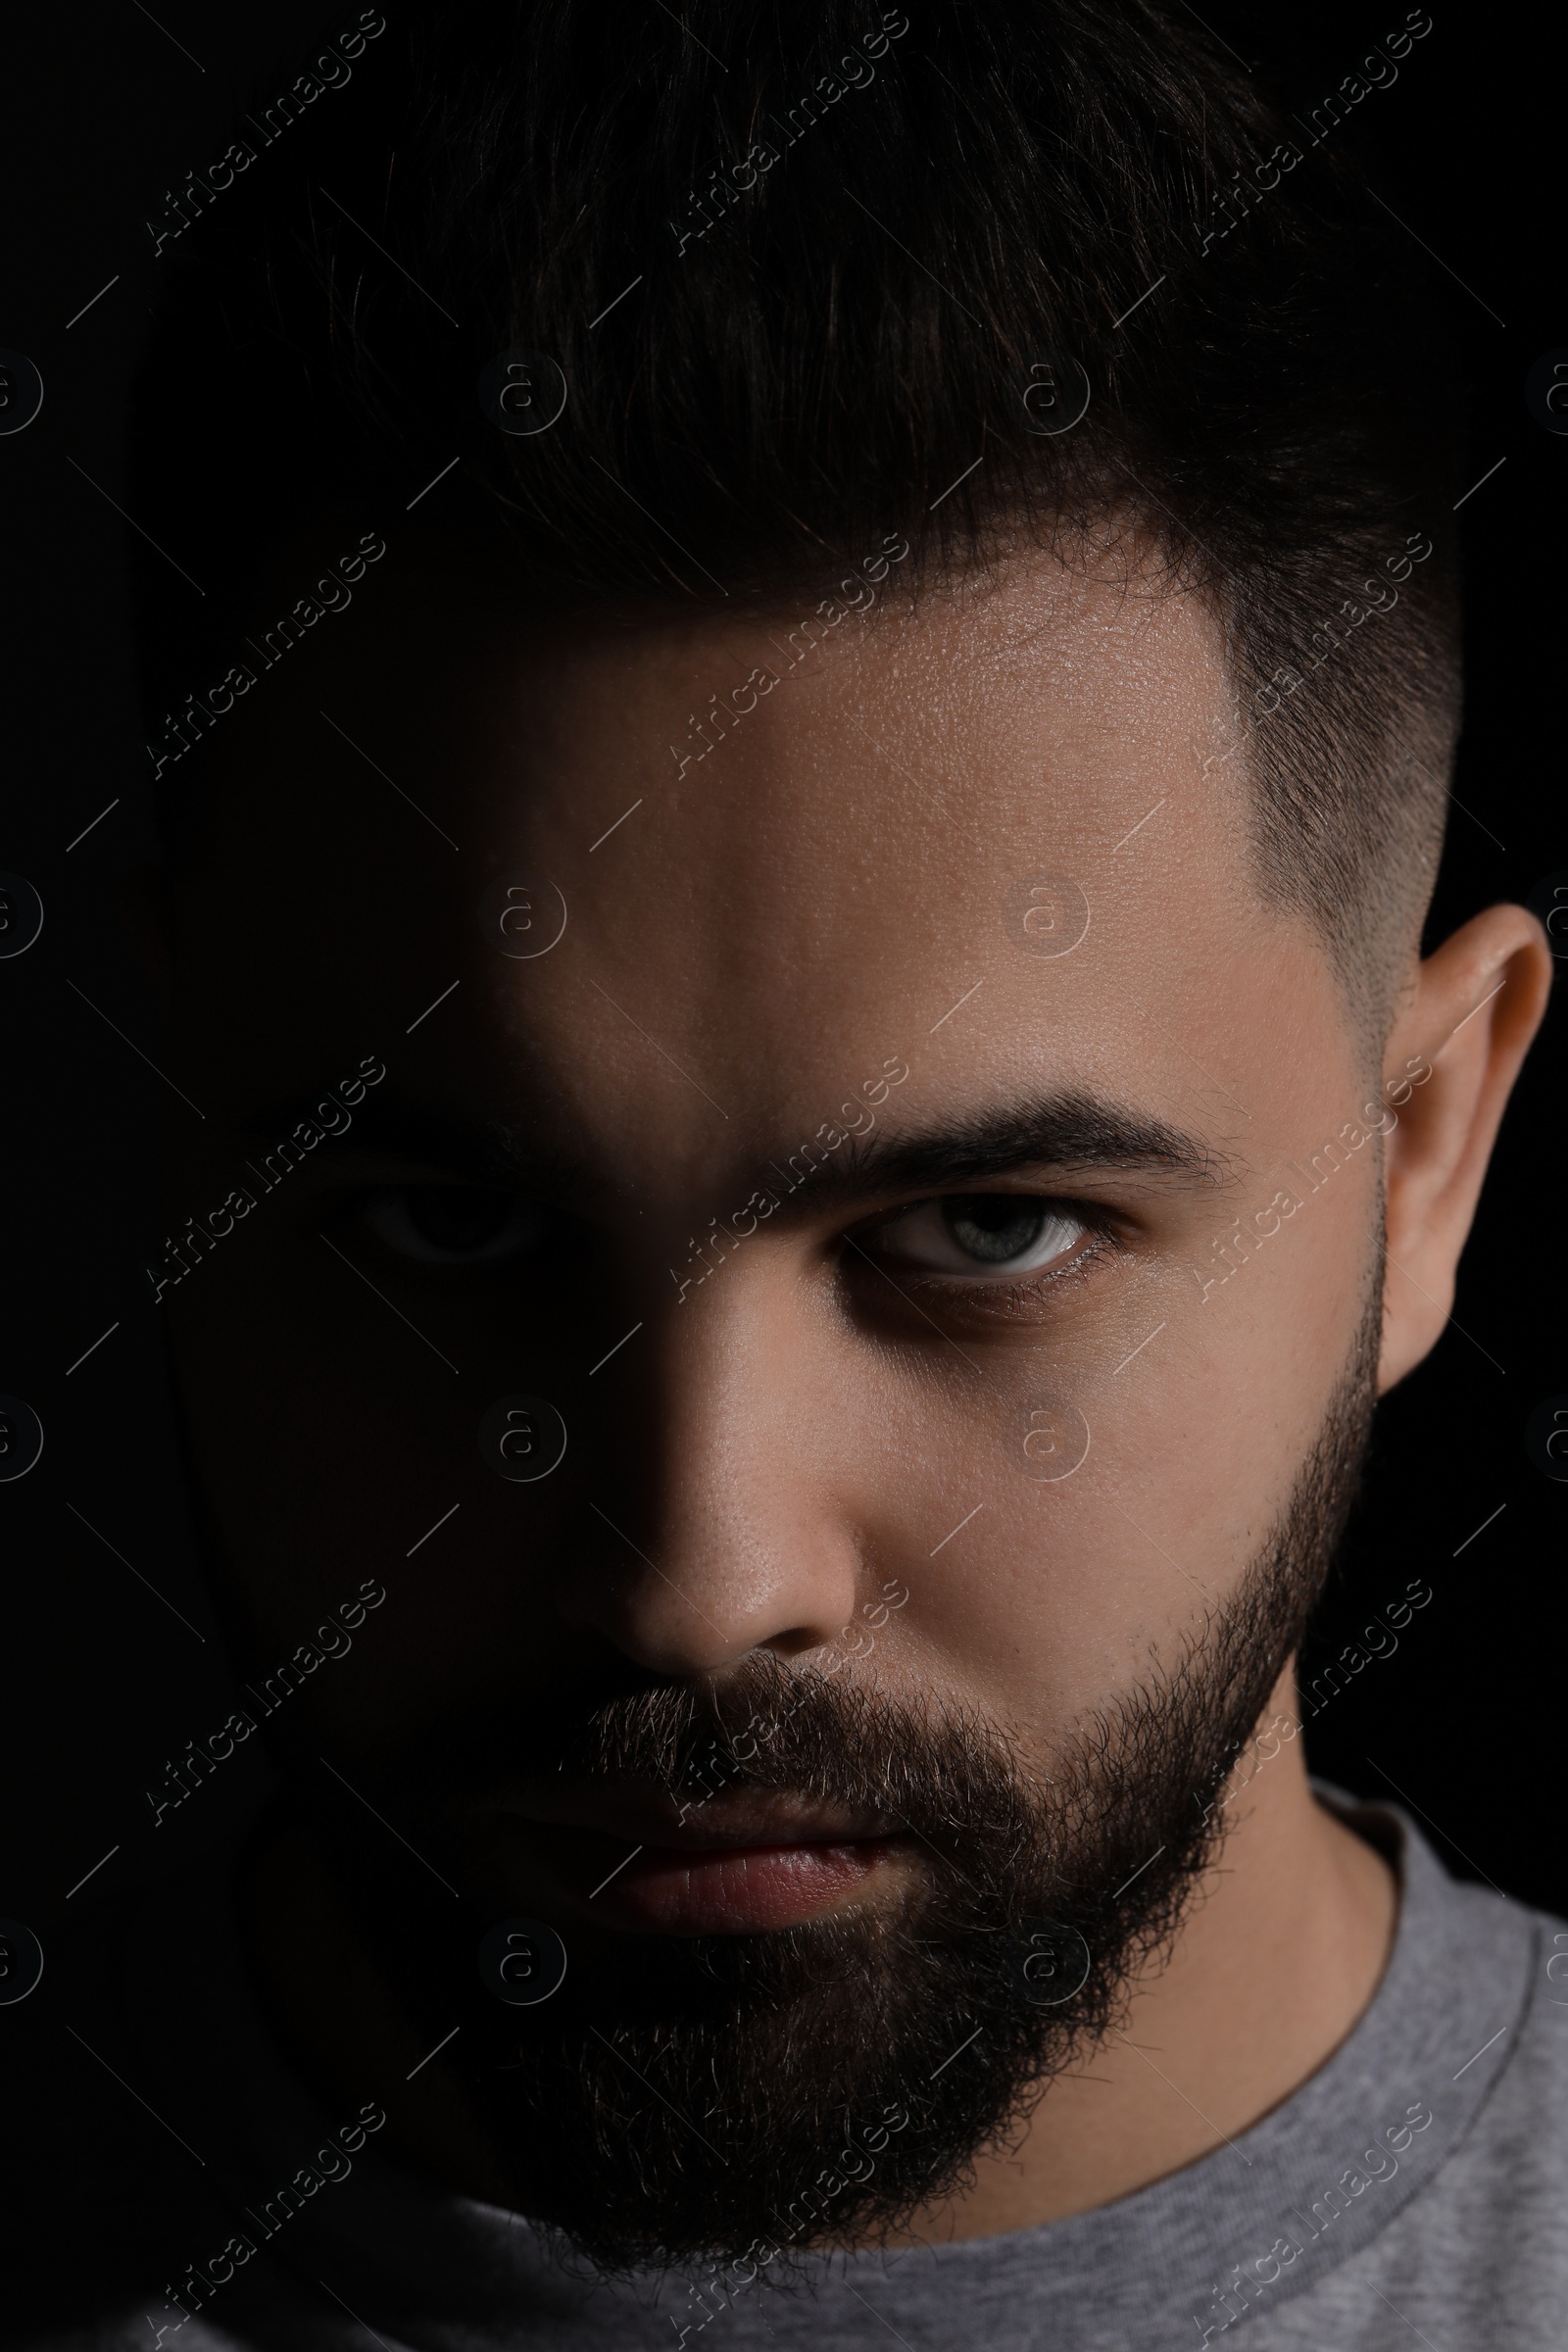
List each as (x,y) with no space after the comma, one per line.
(810,274)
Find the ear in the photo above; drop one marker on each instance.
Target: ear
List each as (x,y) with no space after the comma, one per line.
(1452,1057)
(146,909)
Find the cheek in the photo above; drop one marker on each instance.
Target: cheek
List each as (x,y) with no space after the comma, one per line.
(1058,1590)
(1263,1353)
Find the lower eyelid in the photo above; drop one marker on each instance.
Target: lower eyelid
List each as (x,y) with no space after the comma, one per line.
(1095,1245)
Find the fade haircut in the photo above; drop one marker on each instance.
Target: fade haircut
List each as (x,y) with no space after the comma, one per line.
(800,263)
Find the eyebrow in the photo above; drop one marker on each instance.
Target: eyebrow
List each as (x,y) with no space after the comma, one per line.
(1063,1130)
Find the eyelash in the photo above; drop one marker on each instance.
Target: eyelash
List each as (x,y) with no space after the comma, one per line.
(1005,1298)
(1030,1290)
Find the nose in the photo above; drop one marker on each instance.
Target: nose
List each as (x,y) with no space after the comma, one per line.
(731,1525)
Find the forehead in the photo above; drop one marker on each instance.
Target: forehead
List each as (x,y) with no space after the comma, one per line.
(821,776)
(787,842)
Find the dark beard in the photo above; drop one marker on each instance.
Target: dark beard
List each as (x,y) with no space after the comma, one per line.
(733,2097)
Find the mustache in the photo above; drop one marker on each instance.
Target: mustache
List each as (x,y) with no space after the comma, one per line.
(942,1770)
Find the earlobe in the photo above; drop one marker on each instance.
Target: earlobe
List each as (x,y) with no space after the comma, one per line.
(146,909)
(1452,1055)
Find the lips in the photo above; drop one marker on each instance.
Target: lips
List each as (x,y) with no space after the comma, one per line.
(741,1863)
(737,1890)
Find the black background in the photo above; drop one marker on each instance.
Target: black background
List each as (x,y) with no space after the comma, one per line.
(101,1678)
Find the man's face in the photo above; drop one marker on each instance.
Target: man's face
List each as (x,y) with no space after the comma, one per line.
(848,1176)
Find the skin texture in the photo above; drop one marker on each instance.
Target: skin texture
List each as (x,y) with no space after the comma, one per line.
(825,893)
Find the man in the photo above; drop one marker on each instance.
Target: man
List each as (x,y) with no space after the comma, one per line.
(799,939)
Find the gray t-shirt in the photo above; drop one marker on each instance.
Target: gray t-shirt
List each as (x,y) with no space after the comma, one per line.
(1413,2191)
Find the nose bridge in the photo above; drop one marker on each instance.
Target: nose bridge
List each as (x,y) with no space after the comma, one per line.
(735,1504)
(736,1425)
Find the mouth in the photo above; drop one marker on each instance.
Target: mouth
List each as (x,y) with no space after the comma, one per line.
(738,1890)
(739,1864)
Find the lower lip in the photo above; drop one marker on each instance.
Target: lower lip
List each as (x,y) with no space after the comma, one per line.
(735,1890)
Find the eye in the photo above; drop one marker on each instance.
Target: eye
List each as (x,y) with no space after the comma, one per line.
(451,1224)
(981,1234)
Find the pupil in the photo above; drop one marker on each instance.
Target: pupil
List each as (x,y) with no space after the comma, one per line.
(457,1217)
(993,1226)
